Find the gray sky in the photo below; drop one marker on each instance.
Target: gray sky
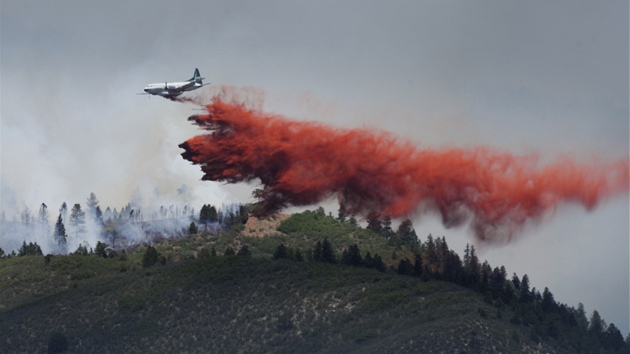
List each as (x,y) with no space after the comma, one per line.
(522,76)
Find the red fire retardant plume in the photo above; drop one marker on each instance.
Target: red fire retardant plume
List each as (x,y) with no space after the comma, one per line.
(302,163)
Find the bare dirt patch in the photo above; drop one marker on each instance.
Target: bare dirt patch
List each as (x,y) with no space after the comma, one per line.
(263,227)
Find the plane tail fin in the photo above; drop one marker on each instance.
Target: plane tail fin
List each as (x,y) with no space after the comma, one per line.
(196,77)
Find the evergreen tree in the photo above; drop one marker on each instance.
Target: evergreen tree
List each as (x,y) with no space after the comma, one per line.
(405,267)
(374,223)
(81,250)
(407,235)
(107,216)
(580,317)
(92,204)
(467,256)
(150,257)
(281,252)
(497,281)
(352,256)
(298,256)
(192,229)
(60,233)
(26,216)
(368,261)
(101,249)
(430,257)
(63,211)
(486,272)
(516,282)
(342,214)
(612,338)
(244,214)
(98,216)
(548,303)
(1,253)
(328,253)
(386,229)
(30,249)
(375,262)
(208,214)
(525,295)
(244,251)
(317,252)
(77,219)
(417,266)
(597,325)
(43,215)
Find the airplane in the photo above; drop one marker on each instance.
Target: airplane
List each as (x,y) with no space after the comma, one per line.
(171,90)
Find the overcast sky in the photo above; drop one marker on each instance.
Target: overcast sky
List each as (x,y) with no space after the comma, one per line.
(521,76)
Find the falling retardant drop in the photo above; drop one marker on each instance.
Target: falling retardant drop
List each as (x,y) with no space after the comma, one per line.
(303,163)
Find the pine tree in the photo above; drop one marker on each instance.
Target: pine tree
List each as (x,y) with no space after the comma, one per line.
(63,211)
(244,251)
(92,204)
(77,219)
(328,254)
(60,233)
(342,214)
(525,294)
(352,256)
(150,257)
(417,266)
(99,216)
(580,316)
(101,249)
(30,249)
(386,230)
(613,339)
(548,302)
(281,252)
(405,267)
(43,214)
(208,214)
(317,252)
(192,229)
(378,263)
(430,257)
(407,235)
(374,223)
(596,325)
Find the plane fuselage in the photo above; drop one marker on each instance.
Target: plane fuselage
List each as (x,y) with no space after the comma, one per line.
(174,89)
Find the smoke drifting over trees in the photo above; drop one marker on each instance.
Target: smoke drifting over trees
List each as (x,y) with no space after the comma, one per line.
(84,228)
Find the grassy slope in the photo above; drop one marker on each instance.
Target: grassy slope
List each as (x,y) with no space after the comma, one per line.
(240,304)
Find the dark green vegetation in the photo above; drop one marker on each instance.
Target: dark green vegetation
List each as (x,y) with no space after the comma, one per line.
(309,288)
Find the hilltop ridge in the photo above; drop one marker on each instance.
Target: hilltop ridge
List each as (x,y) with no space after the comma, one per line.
(194,298)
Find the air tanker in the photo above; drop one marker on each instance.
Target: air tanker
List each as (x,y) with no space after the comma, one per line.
(171,90)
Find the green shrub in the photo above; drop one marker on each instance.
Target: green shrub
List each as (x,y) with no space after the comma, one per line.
(150,257)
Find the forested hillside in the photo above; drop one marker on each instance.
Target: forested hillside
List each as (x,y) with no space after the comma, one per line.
(305,283)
